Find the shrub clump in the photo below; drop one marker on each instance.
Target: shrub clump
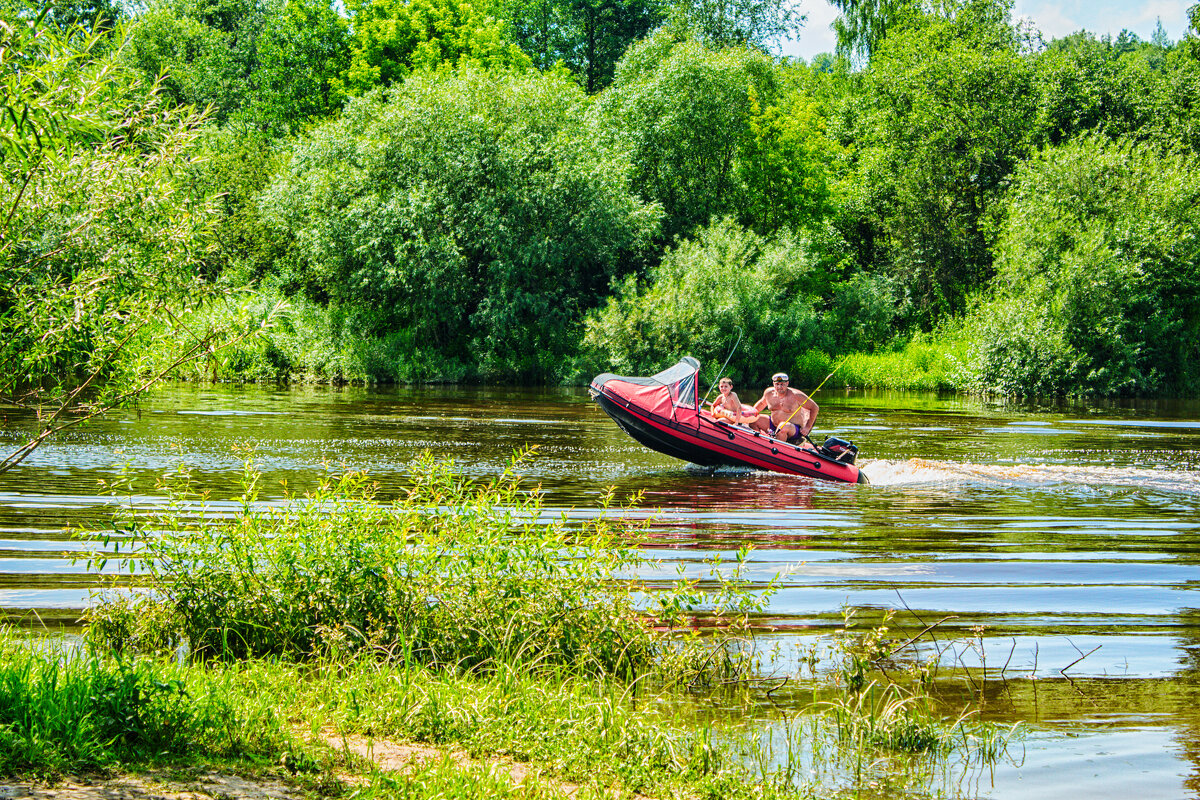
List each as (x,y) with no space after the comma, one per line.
(453,573)
(1098,291)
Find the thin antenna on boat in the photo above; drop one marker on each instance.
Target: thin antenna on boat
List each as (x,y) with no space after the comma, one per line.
(721,371)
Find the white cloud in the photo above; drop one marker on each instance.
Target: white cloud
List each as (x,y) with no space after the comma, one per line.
(817,34)
(1054,18)
(1060,17)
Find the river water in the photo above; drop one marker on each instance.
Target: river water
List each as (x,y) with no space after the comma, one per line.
(1069,532)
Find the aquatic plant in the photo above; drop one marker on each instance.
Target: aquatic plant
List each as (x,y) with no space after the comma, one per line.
(452,573)
(890,708)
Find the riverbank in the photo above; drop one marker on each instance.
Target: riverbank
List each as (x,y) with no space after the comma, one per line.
(456,618)
(303,346)
(384,729)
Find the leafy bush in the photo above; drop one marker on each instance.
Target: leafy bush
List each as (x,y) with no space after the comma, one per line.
(1099,284)
(453,574)
(862,313)
(697,299)
(475,211)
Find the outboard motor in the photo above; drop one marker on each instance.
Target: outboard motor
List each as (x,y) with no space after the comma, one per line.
(838,450)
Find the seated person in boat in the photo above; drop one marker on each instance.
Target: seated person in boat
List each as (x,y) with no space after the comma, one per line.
(728,407)
(793,413)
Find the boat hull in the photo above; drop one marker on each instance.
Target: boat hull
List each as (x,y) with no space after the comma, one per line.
(700,439)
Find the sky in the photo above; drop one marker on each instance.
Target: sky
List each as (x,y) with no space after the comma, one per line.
(1053,18)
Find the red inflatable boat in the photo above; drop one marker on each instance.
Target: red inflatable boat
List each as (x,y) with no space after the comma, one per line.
(663,412)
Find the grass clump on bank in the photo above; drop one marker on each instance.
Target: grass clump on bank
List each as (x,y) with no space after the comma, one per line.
(68,709)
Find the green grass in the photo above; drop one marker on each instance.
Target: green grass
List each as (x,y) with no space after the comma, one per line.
(923,364)
(927,362)
(600,734)
(457,617)
(68,709)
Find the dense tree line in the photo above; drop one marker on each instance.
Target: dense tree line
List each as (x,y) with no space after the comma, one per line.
(532,190)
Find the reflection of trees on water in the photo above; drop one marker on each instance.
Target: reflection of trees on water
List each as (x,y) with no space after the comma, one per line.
(724,511)
(1187,680)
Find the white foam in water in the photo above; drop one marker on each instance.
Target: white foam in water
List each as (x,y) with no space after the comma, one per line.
(921,472)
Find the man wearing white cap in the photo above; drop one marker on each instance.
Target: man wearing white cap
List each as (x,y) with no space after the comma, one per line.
(793,413)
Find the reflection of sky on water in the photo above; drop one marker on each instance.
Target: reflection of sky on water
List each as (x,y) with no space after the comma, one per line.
(1057,526)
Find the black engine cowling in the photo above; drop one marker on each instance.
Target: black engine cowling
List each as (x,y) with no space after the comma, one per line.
(838,450)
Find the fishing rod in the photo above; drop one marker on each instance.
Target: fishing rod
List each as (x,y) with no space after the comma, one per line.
(810,394)
(721,371)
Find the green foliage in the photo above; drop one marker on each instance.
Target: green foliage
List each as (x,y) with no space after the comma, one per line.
(88,14)
(301,55)
(98,251)
(863,24)
(203,51)
(474,215)
(712,133)
(59,87)
(393,38)
(702,293)
(60,711)
(1191,40)
(761,24)
(943,119)
(233,164)
(784,164)
(453,575)
(277,65)
(1099,285)
(862,313)
(586,36)
(1084,84)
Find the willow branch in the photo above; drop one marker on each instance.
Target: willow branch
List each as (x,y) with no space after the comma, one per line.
(196,351)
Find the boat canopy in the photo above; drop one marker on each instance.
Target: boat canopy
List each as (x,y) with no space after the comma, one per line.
(672,393)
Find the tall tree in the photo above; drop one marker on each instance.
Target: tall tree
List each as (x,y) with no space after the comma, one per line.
(586,36)
(207,50)
(944,115)
(303,52)
(863,23)
(731,23)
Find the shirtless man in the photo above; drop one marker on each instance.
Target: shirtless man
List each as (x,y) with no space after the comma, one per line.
(793,413)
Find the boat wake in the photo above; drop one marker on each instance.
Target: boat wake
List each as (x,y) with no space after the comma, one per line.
(921,472)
